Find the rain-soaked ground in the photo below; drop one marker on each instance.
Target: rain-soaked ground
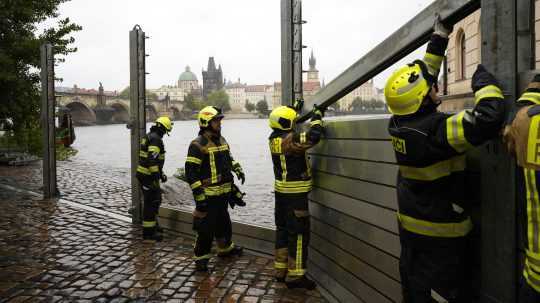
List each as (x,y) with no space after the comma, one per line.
(54,251)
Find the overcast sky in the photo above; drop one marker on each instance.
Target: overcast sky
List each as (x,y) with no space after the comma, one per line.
(242,35)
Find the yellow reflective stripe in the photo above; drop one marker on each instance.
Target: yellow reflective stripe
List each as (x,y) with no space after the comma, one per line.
(532,277)
(534,260)
(218,190)
(533,209)
(207,256)
(303,137)
(149,223)
(455,133)
(213,169)
(275,145)
(490,91)
(161,157)
(154,169)
(283,167)
(153,149)
(432,229)
(143,170)
(194,160)
(533,141)
(316,122)
(296,272)
(433,63)
(200,197)
(530,96)
(292,187)
(299,252)
(196,184)
(224,147)
(280,265)
(435,171)
(226,249)
(143,154)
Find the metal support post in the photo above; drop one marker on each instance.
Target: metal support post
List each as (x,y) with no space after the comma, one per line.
(48,121)
(287,94)
(298,87)
(498,224)
(137,112)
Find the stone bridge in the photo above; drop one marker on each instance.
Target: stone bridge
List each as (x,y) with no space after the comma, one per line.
(90,109)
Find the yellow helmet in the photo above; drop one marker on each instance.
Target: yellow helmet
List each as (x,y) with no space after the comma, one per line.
(282,117)
(166,122)
(207,114)
(406,89)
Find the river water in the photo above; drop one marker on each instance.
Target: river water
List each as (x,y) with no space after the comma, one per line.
(108,146)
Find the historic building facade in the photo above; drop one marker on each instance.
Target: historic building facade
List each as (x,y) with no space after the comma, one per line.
(212,78)
(187,84)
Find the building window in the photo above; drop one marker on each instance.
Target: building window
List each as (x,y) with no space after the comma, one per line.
(461,56)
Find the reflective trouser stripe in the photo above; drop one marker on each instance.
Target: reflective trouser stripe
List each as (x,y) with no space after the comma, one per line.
(298,270)
(490,91)
(280,265)
(455,133)
(226,249)
(533,209)
(289,187)
(530,96)
(200,197)
(218,190)
(432,229)
(149,223)
(316,122)
(207,256)
(435,171)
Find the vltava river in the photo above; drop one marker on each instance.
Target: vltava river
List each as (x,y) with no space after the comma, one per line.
(108,146)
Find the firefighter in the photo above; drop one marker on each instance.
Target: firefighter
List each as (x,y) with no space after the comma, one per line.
(429,147)
(150,173)
(292,184)
(209,167)
(522,140)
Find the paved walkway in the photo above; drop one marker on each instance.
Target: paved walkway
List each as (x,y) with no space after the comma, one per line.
(55,251)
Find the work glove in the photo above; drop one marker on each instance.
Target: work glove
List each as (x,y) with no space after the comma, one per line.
(316,114)
(239,172)
(163,178)
(482,78)
(236,197)
(298,105)
(441,29)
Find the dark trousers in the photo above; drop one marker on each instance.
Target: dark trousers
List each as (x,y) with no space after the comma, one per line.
(216,224)
(152,201)
(438,264)
(527,294)
(292,234)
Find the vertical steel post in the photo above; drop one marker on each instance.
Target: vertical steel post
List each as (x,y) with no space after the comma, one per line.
(137,112)
(297,69)
(498,228)
(48,121)
(286,52)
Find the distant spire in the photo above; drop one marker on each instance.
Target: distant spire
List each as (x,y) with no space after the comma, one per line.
(211,64)
(312,61)
(188,69)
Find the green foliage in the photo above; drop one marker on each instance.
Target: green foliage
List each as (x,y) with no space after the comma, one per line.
(191,104)
(20,62)
(125,94)
(262,107)
(219,98)
(359,106)
(64,153)
(249,106)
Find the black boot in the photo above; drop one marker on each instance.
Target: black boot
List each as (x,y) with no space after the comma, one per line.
(201,265)
(302,282)
(235,251)
(149,233)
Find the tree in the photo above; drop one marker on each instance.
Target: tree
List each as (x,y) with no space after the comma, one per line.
(192,104)
(357,105)
(262,107)
(126,93)
(20,61)
(249,106)
(219,98)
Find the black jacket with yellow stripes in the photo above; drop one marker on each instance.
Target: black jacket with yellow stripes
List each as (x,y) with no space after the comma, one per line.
(151,158)
(291,167)
(209,166)
(429,148)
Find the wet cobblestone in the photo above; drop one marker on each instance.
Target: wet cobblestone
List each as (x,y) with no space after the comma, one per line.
(52,251)
(110,190)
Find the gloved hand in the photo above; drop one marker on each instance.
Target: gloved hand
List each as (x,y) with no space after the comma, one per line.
(163,178)
(482,78)
(316,114)
(236,197)
(298,104)
(440,29)
(239,172)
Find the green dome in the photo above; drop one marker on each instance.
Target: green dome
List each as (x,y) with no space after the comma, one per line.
(187,75)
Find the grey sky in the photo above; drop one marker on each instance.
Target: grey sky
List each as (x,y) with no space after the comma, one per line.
(242,35)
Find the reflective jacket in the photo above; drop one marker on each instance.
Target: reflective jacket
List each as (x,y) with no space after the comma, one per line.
(151,159)
(525,143)
(209,166)
(429,148)
(291,167)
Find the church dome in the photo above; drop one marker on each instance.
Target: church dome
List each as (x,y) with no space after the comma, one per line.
(187,75)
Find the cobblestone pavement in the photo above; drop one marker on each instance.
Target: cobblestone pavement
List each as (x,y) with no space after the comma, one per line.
(54,251)
(110,190)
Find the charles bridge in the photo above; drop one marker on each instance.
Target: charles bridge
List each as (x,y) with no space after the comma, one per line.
(89,107)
